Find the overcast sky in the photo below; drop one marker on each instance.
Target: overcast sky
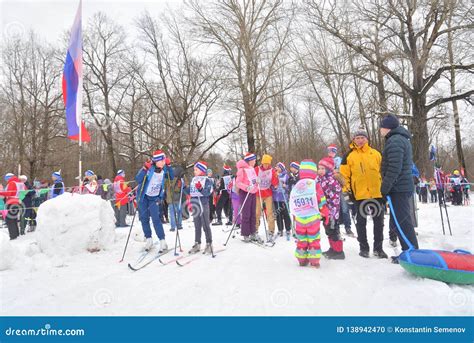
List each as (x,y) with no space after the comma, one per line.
(51,18)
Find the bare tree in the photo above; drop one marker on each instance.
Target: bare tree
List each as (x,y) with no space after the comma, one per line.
(409,30)
(32,99)
(251,38)
(184,93)
(105,72)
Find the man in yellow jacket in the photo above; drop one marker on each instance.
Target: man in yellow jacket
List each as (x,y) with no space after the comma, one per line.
(360,168)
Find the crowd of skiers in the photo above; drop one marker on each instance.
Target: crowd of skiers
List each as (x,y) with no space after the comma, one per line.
(298,198)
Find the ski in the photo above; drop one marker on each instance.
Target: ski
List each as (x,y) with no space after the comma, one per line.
(157,256)
(261,245)
(188,258)
(145,253)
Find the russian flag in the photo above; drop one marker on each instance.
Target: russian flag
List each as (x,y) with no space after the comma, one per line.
(72,82)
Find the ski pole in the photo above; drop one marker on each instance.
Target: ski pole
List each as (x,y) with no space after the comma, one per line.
(264,215)
(133,219)
(177,238)
(238,214)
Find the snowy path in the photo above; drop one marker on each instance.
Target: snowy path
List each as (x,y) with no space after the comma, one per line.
(243,280)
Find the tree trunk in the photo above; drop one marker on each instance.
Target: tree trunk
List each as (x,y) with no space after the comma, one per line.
(419,129)
(457,126)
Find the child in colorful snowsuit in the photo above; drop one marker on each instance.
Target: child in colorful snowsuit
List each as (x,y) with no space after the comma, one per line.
(200,191)
(308,206)
(332,192)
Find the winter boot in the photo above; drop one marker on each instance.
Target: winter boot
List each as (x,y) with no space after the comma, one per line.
(328,252)
(393,243)
(208,249)
(195,249)
(380,254)
(217,223)
(336,255)
(148,244)
(394,259)
(280,233)
(303,263)
(229,223)
(256,238)
(364,253)
(315,265)
(163,246)
(247,239)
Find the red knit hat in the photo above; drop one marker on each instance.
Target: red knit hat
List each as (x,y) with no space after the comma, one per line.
(202,166)
(158,155)
(327,162)
(250,156)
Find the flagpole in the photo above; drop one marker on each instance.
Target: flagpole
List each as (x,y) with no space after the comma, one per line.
(80,114)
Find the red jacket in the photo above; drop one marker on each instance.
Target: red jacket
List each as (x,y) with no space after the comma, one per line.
(274,182)
(12,190)
(121,191)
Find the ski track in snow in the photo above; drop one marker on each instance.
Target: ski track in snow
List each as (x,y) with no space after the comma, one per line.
(243,280)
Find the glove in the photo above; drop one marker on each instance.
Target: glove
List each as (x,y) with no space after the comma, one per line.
(249,188)
(168,161)
(199,185)
(147,164)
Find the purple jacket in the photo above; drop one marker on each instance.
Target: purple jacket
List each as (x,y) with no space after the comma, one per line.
(332,192)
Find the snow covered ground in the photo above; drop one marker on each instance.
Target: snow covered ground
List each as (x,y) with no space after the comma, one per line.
(243,280)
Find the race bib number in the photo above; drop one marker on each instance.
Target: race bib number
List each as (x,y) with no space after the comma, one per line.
(227,180)
(154,187)
(265,178)
(193,191)
(251,175)
(303,200)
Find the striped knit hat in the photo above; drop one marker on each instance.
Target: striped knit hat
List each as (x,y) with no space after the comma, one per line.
(327,162)
(332,148)
(250,157)
(8,176)
(158,155)
(202,166)
(295,165)
(281,165)
(89,173)
(308,169)
(121,172)
(227,168)
(56,174)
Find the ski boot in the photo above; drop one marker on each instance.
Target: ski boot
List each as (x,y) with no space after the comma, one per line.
(195,249)
(208,249)
(163,246)
(148,244)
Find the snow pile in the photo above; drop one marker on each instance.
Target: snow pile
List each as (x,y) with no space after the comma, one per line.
(70,224)
(7,253)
